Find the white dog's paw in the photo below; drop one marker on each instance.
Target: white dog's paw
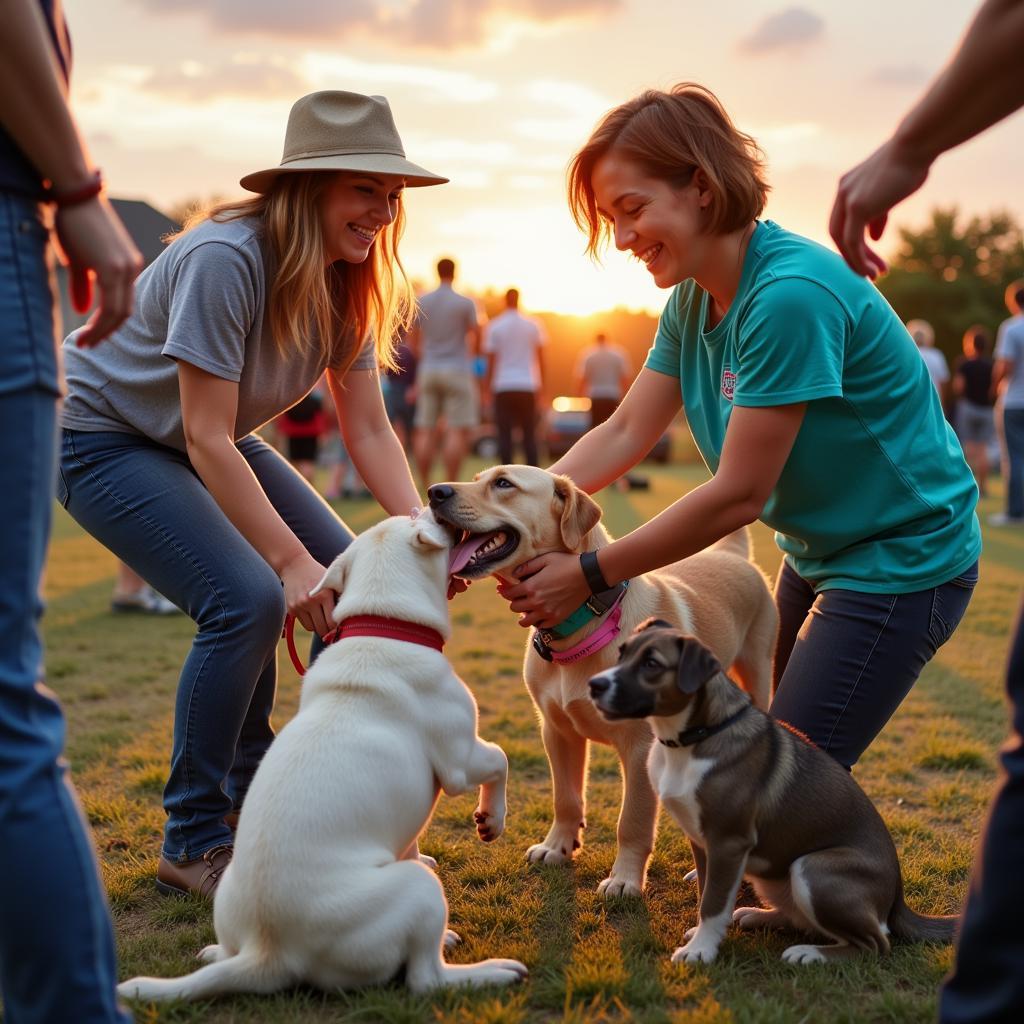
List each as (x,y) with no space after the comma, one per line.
(137,988)
(504,972)
(427,861)
(804,954)
(695,952)
(451,938)
(620,887)
(211,954)
(489,824)
(541,853)
(691,875)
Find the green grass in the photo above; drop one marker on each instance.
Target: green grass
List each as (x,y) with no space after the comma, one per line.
(931,774)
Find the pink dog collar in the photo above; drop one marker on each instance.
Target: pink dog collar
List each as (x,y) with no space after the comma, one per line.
(598,640)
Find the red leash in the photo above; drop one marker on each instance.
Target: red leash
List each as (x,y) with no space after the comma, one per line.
(367,625)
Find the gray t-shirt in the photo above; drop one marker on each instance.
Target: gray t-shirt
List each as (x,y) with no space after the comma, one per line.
(204,300)
(444,318)
(1010,345)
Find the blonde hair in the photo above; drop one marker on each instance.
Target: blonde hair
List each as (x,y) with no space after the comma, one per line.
(672,135)
(343,299)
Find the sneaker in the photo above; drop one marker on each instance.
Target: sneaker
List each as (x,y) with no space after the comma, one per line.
(1002,519)
(146,600)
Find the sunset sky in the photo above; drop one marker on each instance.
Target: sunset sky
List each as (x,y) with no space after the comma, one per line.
(179,99)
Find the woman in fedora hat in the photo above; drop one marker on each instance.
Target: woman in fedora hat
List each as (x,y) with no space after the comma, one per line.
(234,323)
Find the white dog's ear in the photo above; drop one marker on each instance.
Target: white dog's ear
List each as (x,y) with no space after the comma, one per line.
(429,535)
(334,578)
(579,512)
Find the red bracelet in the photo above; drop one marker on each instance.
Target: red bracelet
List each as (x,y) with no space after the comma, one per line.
(78,195)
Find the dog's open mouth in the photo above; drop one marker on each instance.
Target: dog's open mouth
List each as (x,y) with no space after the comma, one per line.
(474,553)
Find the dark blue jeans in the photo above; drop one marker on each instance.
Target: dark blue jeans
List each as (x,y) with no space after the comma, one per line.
(1013,427)
(147,504)
(56,946)
(845,660)
(987,983)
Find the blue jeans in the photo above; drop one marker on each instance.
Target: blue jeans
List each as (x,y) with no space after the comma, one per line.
(57,959)
(147,504)
(987,983)
(1013,427)
(845,660)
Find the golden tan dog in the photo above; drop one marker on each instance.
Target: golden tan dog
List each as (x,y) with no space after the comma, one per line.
(514,513)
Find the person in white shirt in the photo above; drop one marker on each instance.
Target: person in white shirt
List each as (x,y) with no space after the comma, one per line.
(938,369)
(515,376)
(603,374)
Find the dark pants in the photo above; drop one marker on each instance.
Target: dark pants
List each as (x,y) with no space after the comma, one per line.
(516,409)
(1013,426)
(845,660)
(987,983)
(56,945)
(601,409)
(147,504)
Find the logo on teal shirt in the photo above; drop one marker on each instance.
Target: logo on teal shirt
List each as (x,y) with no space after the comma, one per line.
(728,383)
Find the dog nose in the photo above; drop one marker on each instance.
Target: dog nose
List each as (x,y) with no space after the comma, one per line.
(598,685)
(438,494)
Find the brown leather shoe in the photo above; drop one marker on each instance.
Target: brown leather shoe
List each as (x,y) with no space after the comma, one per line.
(198,877)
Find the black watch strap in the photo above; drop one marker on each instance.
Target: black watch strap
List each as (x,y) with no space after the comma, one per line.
(592,571)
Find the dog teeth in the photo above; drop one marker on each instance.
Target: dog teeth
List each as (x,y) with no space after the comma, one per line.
(486,548)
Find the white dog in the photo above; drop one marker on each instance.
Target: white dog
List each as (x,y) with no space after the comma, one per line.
(319,891)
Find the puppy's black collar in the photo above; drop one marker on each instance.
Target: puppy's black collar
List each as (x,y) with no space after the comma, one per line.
(688,737)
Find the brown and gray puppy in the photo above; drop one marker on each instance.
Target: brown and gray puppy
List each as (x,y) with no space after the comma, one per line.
(511,514)
(757,800)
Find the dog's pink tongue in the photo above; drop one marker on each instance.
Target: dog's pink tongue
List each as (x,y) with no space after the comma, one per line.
(461,554)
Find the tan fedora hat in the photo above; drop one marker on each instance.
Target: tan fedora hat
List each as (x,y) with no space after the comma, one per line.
(342,131)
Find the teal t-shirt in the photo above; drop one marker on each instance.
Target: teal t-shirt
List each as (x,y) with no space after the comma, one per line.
(876,495)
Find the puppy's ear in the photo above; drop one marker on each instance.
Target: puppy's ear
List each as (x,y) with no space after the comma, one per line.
(428,535)
(653,623)
(696,665)
(334,578)
(579,512)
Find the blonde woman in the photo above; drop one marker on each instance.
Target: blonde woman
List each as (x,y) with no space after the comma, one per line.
(810,405)
(234,323)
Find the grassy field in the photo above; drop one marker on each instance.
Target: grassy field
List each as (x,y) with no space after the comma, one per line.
(931,774)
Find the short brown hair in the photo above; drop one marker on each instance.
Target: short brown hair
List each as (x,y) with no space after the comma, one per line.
(672,135)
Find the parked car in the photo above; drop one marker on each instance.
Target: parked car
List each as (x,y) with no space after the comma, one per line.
(568,420)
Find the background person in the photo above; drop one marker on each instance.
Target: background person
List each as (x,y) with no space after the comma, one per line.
(980,86)
(399,385)
(57,960)
(938,369)
(160,462)
(515,377)
(603,374)
(445,338)
(1009,380)
(974,395)
(792,371)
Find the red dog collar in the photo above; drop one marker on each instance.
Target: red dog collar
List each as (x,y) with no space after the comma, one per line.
(368,625)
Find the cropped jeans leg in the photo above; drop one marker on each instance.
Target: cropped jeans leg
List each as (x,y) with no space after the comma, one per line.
(57,961)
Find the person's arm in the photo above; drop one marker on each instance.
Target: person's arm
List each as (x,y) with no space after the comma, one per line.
(209,406)
(757,444)
(612,448)
(371,442)
(980,86)
(34,111)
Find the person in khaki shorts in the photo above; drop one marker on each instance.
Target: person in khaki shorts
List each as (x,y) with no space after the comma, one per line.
(446,337)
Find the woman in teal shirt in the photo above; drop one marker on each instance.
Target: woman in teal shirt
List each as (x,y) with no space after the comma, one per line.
(809,403)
